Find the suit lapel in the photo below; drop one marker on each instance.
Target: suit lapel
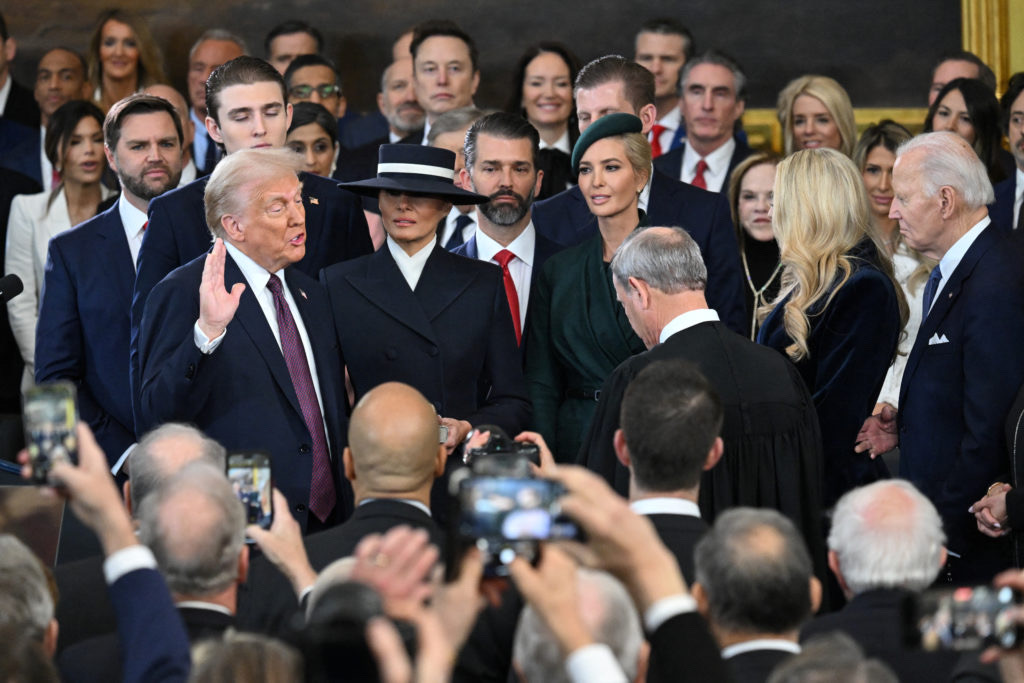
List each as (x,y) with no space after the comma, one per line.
(317,328)
(250,316)
(314,216)
(113,243)
(441,283)
(383,284)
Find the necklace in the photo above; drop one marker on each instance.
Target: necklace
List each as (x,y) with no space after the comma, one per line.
(758,293)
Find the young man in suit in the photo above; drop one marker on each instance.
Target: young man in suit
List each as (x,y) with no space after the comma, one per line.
(16,102)
(1006,210)
(613,84)
(415,313)
(965,368)
(247,358)
(501,163)
(712,103)
(247,108)
(83,333)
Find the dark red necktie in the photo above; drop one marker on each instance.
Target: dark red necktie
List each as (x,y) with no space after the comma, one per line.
(503,257)
(698,177)
(656,132)
(322,496)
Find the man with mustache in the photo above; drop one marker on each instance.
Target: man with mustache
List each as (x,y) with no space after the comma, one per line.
(501,163)
(83,331)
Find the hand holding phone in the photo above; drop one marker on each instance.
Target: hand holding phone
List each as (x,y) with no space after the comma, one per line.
(251,480)
(50,416)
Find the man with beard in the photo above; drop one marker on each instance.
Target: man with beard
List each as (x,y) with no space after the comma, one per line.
(83,331)
(501,163)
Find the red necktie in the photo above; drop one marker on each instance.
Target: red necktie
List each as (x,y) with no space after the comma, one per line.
(322,496)
(144,226)
(698,177)
(656,132)
(503,257)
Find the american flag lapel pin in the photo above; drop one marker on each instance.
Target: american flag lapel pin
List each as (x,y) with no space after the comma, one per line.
(303,294)
(314,200)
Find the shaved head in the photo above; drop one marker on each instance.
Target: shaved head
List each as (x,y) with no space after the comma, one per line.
(393,441)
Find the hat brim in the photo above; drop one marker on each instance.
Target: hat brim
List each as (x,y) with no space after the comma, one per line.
(441,189)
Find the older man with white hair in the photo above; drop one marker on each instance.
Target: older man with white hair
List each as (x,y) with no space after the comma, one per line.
(966,367)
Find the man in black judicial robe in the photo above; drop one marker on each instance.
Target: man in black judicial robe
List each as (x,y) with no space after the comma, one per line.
(772,443)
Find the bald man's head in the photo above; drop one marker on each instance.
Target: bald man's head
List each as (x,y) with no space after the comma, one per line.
(393,442)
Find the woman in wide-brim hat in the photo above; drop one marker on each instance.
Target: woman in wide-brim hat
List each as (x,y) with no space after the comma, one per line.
(578,331)
(415,313)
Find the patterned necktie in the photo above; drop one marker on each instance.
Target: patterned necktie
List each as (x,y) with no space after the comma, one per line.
(656,131)
(322,496)
(698,177)
(930,288)
(503,257)
(455,240)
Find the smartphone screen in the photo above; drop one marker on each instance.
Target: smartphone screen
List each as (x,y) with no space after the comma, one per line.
(50,415)
(966,618)
(250,477)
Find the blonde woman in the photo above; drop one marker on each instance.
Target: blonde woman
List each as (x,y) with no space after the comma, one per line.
(839,313)
(815,112)
(123,59)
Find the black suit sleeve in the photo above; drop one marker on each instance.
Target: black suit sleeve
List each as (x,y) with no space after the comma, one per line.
(699,661)
(725,270)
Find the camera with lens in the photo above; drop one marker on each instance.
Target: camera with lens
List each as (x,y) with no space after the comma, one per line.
(501,456)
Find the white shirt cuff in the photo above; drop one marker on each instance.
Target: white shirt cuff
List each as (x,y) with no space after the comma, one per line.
(205,345)
(666,608)
(120,461)
(127,560)
(594,663)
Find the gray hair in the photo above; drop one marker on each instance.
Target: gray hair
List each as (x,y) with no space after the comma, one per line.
(256,167)
(670,262)
(887,535)
(833,657)
(218,34)
(25,599)
(199,557)
(756,572)
(334,574)
(536,652)
(948,160)
(147,470)
(720,59)
(454,121)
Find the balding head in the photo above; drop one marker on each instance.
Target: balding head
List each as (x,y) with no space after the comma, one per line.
(161,453)
(393,448)
(886,535)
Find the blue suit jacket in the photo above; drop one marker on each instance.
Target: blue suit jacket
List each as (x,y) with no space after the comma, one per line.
(671,163)
(19,149)
(452,339)
(566,219)
(154,644)
(955,395)
(1001,210)
(177,233)
(83,330)
(241,394)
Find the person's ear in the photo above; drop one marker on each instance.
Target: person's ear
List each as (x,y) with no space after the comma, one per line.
(232,228)
(243,561)
(540,180)
(698,593)
(621,449)
(111,159)
(648,115)
(440,461)
(348,464)
(213,128)
(126,490)
(715,454)
(815,588)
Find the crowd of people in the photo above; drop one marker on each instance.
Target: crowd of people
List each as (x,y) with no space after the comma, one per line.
(779,395)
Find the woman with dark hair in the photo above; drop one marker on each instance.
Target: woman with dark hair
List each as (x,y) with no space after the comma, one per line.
(313,134)
(542,94)
(579,332)
(123,58)
(968,108)
(839,313)
(74,145)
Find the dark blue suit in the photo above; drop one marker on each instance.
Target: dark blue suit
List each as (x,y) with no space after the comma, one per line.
(83,330)
(19,149)
(1001,210)
(452,338)
(671,163)
(177,233)
(153,639)
(955,395)
(241,394)
(566,219)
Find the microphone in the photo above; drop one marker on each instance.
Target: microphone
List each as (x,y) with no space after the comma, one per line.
(10,287)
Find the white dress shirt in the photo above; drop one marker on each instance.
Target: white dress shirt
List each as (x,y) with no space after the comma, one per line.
(449,226)
(1019,198)
(521,267)
(688,319)
(257,277)
(408,501)
(761,644)
(645,194)
(671,121)
(133,221)
(410,266)
(561,144)
(199,139)
(5,93)
(718,165)
(665,506)
(952,258)
(44,161)
(394,137)
(188,173)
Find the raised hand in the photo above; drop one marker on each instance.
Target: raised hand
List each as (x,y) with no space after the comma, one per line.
(217,306)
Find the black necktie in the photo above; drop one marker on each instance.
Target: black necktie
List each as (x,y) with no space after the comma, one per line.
(455,240)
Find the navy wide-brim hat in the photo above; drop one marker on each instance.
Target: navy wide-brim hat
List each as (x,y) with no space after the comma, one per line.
(605,127)
(417,170)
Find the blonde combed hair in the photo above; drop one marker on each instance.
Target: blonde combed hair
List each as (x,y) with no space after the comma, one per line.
(829,93)
(821,212)
(241,176)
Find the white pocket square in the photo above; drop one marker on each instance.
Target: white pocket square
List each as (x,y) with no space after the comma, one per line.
(937,339)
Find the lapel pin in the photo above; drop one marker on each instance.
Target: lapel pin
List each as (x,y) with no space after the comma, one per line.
(314,200)
(303,294)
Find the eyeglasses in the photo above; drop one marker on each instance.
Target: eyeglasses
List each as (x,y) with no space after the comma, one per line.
(302,92)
